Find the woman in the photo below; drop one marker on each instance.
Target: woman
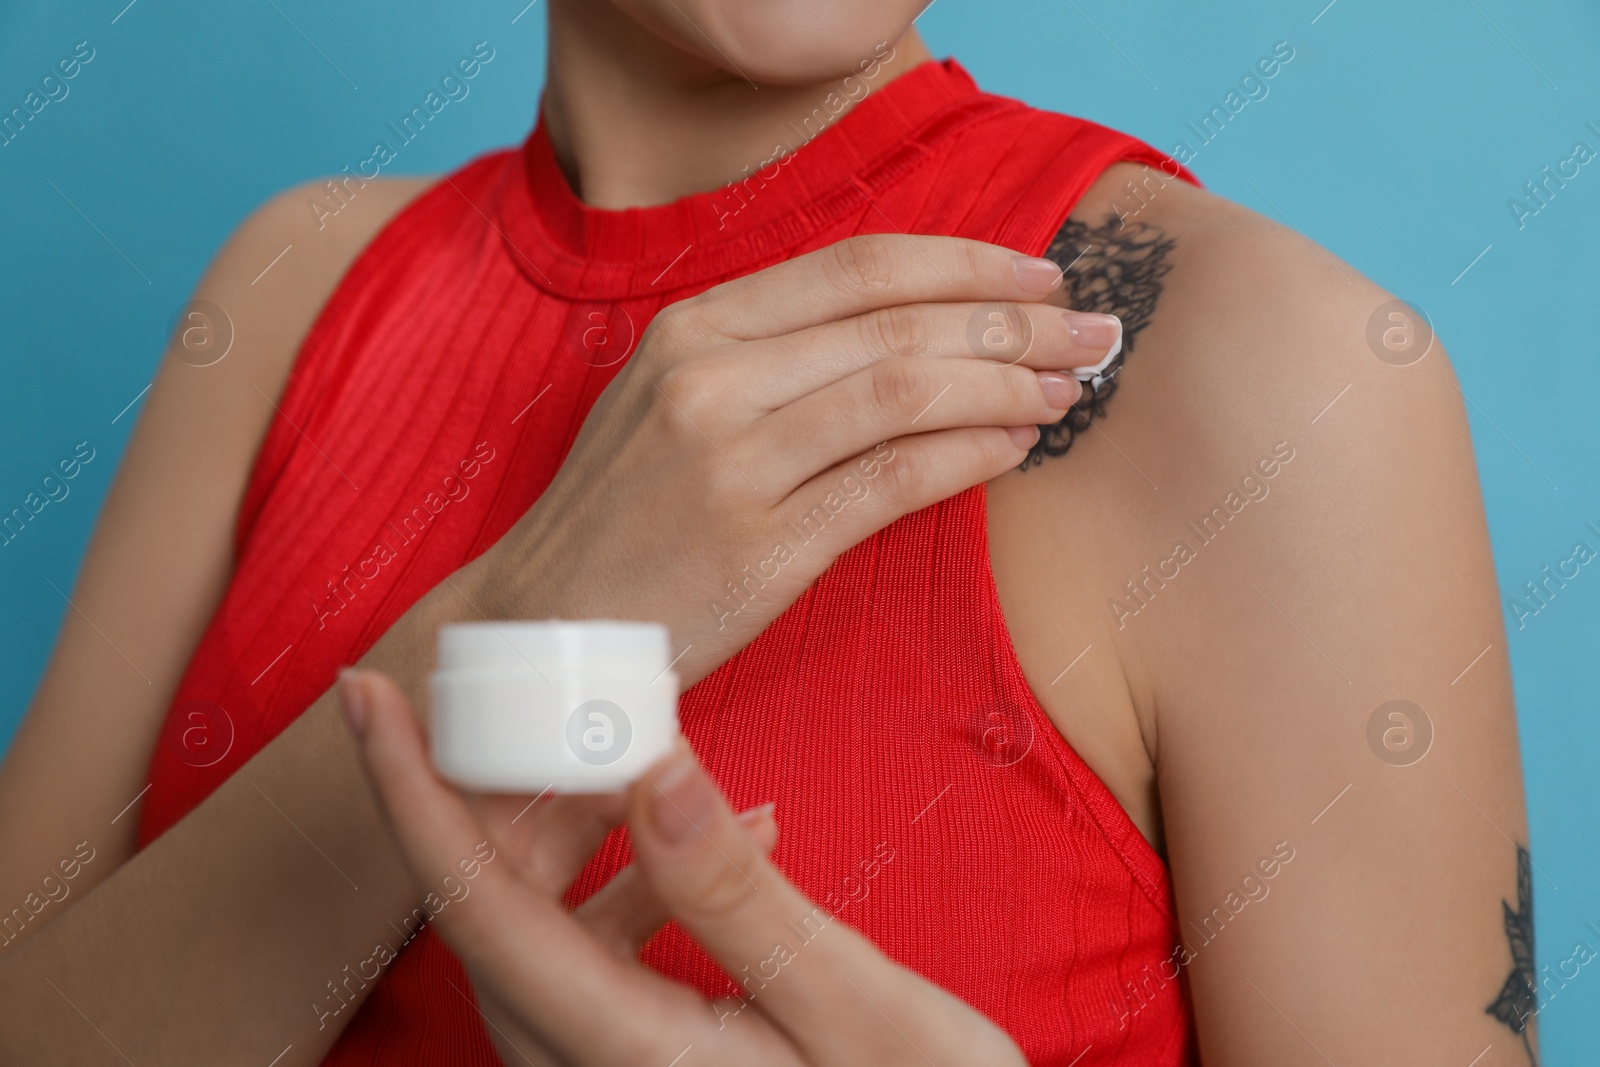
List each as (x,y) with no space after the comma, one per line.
(749,338)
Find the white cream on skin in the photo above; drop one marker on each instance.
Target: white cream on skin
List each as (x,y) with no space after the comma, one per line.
(1092,376)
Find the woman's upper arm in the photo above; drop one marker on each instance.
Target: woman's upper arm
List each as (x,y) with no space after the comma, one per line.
(1325,670)
(161,553)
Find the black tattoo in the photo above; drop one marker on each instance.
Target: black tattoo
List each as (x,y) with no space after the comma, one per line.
(1113,268)
(1519,996)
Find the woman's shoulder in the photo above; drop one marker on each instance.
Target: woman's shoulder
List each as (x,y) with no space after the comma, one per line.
(150,583)
(1240,331)
(258,298)
(1235,326)
(310,234)
(234,342)
(288,257)
(1230,314)
(270,279)
(1273,411)
(1241,336)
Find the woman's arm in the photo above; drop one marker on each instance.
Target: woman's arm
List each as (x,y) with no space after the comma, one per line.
(1358,716)
(158,564)
(215,943)
(1276,533)
(220,942)
(162,549)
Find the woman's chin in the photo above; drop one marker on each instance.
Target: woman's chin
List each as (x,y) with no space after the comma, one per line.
(787,42)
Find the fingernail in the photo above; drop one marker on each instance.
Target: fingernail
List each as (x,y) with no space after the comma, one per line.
(1091,332)
(684,798)
(1036,275)
(759,813)
(353,700)
(1060,390)
(1023,436)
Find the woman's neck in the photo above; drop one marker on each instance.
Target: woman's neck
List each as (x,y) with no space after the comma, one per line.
(636,121)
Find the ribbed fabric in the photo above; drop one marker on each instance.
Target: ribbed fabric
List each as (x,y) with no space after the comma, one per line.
(921,791)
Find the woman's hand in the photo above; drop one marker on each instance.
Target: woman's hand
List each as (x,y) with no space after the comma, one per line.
(565,987)
(767,425)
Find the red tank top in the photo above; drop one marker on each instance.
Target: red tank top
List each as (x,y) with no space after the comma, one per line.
(922,794)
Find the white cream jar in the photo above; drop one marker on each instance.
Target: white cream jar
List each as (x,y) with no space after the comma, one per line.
(581,707)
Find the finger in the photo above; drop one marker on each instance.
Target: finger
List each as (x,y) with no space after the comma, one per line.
(1041,336)
(716,882)
(428,819)
(846,504)
(896,397)
(551,837)
(546,843)
(860,274)
(512,1039)
(522,948)
(627,912)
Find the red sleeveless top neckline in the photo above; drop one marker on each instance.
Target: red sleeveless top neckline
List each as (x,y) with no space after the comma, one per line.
(923,796)
(574,250)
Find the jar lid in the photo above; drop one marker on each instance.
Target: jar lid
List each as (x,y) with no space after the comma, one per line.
(556,647)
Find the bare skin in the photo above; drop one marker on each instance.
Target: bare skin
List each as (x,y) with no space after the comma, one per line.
(152,583)
(1232,708)
(1223,717)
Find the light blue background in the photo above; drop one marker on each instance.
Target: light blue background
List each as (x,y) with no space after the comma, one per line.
(1395,138)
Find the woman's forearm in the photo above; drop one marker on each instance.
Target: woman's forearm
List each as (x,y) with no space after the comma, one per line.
(218,942)
(223,941)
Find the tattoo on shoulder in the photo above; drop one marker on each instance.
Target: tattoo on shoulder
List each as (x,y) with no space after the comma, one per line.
(1518,1000)
(1114,268)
